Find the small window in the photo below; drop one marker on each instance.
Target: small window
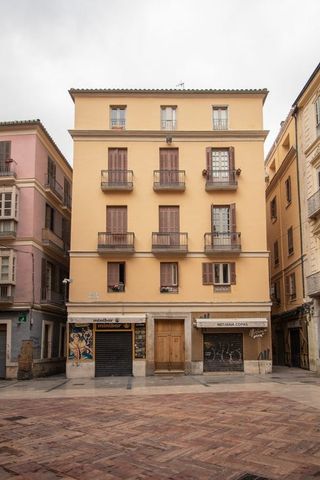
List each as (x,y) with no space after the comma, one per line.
(291,286)
(317,104)
(288,190)
(273,209)
(168,117)
(220,118)
(218,274)
(290,241)
(276,253)
(7,266)
(118,117)
(116,277)
(169,277)
(221,273)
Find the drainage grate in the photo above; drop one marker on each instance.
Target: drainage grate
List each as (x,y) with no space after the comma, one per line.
(14,419)
(249,476)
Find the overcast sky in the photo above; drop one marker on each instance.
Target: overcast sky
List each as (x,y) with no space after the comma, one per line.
(49,46)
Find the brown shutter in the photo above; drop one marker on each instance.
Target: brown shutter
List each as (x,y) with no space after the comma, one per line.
(113,274)
(117,220)
(5,149)
(165,274)
(231,158)
(207,273)
(233,225)
(209,158)
(43,279)
(233,273)
(112,158)
(169,219)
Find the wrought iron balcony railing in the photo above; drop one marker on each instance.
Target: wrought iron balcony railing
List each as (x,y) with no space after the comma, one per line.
(220,124)
(314,205)
(52,241)
(313,285)
(221,180)
(168,124)
(224,242)
(67,201)
(51,297)
(169,180)
(174,242)
(7,170)
(53,186)
(118,123)
(116,180)
(115,242)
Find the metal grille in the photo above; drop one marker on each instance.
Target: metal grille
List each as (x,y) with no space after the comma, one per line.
(113,354)
(223,352)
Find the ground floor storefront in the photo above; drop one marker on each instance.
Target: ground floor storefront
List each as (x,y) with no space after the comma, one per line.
(148,343)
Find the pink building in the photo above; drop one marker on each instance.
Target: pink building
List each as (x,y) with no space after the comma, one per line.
(35,213)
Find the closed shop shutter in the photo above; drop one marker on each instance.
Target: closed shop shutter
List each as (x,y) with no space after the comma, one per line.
(223,352)
(3,344)
(113,354)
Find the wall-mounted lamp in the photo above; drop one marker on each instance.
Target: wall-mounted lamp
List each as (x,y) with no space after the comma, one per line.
(169,140)
(66,280)
(204,173)
(238,171)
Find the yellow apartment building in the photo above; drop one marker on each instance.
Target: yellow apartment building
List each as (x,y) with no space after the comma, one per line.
(169,262)
(293,229)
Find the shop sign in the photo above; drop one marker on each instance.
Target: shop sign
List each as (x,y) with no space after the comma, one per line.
(113,326)
(231,323)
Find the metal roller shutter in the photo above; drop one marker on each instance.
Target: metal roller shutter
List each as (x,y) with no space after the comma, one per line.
(223,352)
(113,352)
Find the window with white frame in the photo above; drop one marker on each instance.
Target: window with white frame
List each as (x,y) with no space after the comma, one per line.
(7,267)
(168,117)
(317,105)
(47,335)
(168,277)
(118,116)
(221,273)
(9,203)
(220,118)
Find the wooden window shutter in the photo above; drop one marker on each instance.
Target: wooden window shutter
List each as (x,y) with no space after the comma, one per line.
(169,219)
(112,158)
(113,274)
(117,219)
(231,158)
(43,279)
(233,224)
(207,273)
(209,158)
(169,159)
(165,274)
(233,279)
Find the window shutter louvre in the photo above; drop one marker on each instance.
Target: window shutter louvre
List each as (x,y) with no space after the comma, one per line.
(287,285)
(207,274)
(231,158)
(113,274)
(165,274)
(233,225)
(233,279)
(209,158)
(117,219)
(43,279)
(169,219)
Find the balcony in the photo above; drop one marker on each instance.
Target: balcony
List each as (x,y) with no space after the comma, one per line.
(113,180)
(313,285)
(221,180)
(118,123)
(115,242)
(52,242)
(6,297)
(168,124)
(173,242)
(220,124)
(53,188)
(67,202)
(314,205)
(50,297)
(222,242)
(7,173)
(169,180)
(8,229)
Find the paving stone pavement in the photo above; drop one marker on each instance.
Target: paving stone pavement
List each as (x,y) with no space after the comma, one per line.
(227,435)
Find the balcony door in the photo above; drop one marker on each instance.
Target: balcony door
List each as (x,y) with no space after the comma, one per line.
(117,166)
(169,223)
(117,225)
(220,164)
(169,166)
(223,225)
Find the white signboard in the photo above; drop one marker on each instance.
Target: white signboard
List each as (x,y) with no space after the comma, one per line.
(231,323)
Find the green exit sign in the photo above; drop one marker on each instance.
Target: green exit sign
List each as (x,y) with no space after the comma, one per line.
(22,317)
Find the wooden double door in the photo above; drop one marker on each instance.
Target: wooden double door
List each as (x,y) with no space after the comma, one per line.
(169,345)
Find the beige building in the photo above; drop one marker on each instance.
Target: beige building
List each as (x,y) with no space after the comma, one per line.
(293,216)
(169,263)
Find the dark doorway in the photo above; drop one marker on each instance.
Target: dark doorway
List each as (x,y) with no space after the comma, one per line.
(295,347)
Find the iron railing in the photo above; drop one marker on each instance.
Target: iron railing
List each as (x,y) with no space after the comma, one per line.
(55,187)
(168,124)
(221,179)
(7,169)
(116,179)
(169,179)
(220,124)
(170,242)
(313,285)
(314,204)
(115,242)
(118,123)
(49,238)
(222,242)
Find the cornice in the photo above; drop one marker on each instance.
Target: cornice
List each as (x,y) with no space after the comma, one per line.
(160,134)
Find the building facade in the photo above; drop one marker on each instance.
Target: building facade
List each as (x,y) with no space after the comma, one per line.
(169,264)
(35,216)
(293,216)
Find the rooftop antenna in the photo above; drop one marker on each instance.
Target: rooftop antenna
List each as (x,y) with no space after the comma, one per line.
(181,84)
